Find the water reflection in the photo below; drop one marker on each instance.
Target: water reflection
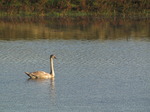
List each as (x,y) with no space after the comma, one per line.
(74,28)
(39,80)
(52,91)
(51,87)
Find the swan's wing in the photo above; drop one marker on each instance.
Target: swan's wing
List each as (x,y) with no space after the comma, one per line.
(33,75)
(38,74)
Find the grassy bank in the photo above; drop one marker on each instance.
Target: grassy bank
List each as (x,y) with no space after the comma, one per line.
(107,8)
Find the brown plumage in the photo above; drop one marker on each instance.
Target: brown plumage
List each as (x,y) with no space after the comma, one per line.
(42,74)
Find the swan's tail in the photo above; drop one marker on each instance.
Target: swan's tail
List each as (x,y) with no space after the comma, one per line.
(31,75)
(28,74)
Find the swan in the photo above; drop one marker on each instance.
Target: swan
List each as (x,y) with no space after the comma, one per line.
(42,74)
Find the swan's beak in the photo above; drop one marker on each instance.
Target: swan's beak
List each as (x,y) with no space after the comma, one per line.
(55,57)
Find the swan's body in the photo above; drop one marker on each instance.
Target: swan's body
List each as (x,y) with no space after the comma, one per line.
(42,74)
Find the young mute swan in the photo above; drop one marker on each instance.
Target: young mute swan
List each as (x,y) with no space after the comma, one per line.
(42,74)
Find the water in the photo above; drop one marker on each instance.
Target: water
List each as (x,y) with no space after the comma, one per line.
(74,28)
(91,75)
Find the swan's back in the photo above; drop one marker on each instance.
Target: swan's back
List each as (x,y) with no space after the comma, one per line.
(39,75)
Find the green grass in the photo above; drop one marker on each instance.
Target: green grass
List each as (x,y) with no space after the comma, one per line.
(74,14)
(74,8)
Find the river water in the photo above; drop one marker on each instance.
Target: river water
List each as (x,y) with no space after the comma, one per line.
(95,71)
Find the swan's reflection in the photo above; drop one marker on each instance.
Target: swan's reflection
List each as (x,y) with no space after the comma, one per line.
(36,80)
(52,89)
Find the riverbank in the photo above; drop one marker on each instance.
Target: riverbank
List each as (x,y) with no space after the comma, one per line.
(144,14)
(76,8)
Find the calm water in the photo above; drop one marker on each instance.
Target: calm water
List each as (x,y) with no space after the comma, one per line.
(92,75)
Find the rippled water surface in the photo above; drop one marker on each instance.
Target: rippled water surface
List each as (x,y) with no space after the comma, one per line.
(90,76)
(93,75)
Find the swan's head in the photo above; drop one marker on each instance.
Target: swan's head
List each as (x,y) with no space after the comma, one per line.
(52,56)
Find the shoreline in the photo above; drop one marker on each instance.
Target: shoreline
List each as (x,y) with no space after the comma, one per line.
(76,14)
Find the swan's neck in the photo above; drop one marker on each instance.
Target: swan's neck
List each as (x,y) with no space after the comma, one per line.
(52,67)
